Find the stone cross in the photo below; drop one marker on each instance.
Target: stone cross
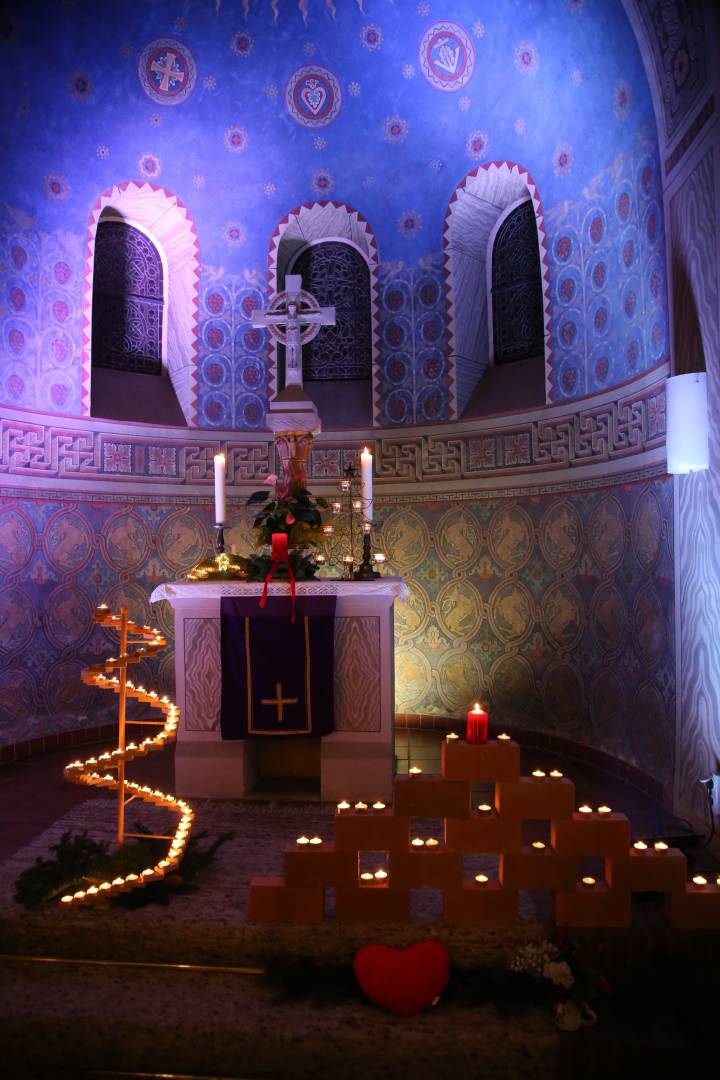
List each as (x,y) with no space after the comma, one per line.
(301,316)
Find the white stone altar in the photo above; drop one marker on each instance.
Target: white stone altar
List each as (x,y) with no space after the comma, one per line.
(356,760)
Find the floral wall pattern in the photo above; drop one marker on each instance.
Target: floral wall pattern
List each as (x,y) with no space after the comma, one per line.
(557,609)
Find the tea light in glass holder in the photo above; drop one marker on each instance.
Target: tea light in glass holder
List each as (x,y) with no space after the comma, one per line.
(379,557)
(348,560)
(320,559)
(328,530)
(336,507)
(344,485)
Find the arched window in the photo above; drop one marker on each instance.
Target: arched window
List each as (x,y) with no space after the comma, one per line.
(516,291)
(337,274)
(128,300)
(140,308)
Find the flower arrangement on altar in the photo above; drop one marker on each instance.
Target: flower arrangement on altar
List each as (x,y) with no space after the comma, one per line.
(295,513)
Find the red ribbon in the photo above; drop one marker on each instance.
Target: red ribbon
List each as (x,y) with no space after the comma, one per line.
(279,555)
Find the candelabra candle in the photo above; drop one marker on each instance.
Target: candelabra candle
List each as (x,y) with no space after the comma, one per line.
(379,557)
(336,507)
(357,504)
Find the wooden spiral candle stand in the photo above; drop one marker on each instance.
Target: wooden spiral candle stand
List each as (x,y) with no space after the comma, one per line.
(108,769)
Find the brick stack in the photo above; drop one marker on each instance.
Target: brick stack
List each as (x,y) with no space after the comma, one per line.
(310,869)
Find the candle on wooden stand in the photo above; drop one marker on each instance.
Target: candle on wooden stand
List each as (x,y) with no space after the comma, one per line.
(366,484)
(477,724)
(219,489)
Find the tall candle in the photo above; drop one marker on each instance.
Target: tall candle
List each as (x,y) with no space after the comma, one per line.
(219,489)
(366,484)
(477,725)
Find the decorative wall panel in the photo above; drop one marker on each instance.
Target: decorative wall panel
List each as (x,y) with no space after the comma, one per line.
(202,675)
(357,674)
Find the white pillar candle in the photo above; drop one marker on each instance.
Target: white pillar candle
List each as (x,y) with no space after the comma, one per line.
(219,489)
(366,483)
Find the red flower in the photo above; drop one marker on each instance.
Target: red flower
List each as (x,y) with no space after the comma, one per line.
(289,519)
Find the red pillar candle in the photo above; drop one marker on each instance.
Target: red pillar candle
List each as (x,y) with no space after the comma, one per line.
(477,725)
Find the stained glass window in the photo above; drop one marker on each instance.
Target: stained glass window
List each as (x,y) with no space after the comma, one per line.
(336,274)
(517,302)
(127,300)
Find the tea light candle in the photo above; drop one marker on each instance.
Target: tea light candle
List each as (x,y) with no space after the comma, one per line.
(360,806)
(379,557)
(315,840)
(640,845)
(555,774)
(357,504)
(432,842)
(415,771)
(380,875)
(588,882)
(538,774)
(538,845)
(336,508)
(585,809)
(660,846)
(477,725)
(366,876)
(481,879)
(378,806)
(417,842)
(485,808)
(604,810)
(699,881)
(503,737)
(451,737)
(302,841)
(344,805)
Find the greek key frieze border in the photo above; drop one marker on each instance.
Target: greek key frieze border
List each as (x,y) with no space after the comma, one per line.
(602,434)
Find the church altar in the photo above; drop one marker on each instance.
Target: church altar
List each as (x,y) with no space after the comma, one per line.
(356,759)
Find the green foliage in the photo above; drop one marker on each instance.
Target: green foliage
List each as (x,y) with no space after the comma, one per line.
(295,513)
(80,862)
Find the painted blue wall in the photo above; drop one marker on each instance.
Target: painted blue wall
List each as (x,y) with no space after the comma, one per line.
(556,85)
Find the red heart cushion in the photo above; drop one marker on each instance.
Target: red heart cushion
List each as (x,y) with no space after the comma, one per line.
(403,980)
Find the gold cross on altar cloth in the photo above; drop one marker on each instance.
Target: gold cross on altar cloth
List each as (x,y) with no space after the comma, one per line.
(279,701)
